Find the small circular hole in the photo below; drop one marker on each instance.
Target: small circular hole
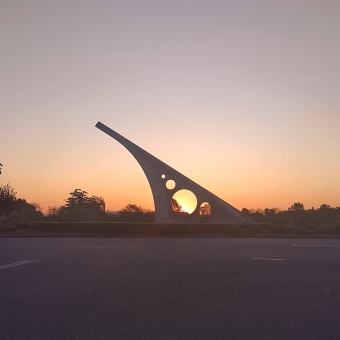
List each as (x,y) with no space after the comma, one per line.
(170,184)
(163,176)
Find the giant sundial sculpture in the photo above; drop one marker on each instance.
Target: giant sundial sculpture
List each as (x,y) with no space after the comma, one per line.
(159,174)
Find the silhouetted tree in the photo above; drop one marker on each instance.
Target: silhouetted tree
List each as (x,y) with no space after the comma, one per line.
(325,207)
(297,214)
(326,211)
(96,203)
(80,207)
(36,206)
(0,168)
(297,207)
(177,207)
(246,211)
(25,212)
(7,199)
(130,213)
(134,213)
(52,213)
(258,215)
(271,212)
(78,198)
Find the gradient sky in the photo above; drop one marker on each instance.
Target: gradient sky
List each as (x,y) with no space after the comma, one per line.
(240,96)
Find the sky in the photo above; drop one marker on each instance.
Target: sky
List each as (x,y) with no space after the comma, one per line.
(241,96)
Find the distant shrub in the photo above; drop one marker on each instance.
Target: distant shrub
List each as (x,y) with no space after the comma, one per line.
(266,226)
(336,229)
(310,226)
(173,229)
(237,231)
(115,228)
(257,230)
(246,227)
(23,226)
(302,231)
(331,228)
(277,228)
(10,229)
(320,231)
(288,229)
(142,229)
(218,229)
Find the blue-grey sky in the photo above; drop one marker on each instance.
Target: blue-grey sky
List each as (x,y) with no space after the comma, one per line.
(240,96)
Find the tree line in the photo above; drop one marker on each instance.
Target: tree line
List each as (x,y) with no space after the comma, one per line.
(80,207)
(296,214)
(17,209)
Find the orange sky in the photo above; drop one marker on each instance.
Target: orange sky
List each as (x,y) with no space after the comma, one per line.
(240,97)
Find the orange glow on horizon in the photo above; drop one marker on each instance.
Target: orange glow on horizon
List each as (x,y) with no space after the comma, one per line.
(253,117)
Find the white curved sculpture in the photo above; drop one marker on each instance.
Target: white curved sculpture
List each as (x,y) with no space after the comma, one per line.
(158,173)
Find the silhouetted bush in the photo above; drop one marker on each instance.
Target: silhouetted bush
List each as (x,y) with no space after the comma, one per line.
(310,226)
(152,229)
(134,213)
(23,226)
(164,229)
(265,226)
(246,227)
(11,229)
(302,231)
(277,228)
(331,228)
(336,229)
(257,230)
(237,231)
(320,231)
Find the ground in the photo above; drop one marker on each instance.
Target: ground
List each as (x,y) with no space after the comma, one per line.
(169,288)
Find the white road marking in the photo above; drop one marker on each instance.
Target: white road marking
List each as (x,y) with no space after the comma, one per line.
(18,263)
(316,245)
(263,259)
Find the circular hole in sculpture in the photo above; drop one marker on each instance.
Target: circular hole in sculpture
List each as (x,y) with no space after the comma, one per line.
(184,202)
(205,209)
(170,184)
(163,176)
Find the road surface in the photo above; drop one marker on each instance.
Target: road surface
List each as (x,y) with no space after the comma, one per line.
(169,288)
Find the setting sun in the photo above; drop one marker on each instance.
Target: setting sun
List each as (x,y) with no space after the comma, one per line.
(186,199)
(186,209)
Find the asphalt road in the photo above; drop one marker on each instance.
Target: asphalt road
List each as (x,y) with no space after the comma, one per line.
(169,288)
